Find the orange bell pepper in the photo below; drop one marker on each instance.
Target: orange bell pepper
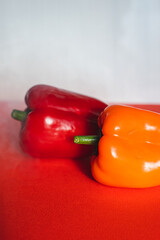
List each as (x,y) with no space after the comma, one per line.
(129,148)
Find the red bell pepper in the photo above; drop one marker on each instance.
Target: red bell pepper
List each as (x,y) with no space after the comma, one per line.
(51,120)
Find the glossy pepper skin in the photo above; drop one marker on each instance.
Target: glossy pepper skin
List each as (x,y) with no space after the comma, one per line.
(53,118)
(44,96)
(129,149)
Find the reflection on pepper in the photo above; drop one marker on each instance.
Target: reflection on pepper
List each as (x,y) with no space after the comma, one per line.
(129,149)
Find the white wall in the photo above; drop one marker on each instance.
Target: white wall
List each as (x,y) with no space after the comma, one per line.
(109,49)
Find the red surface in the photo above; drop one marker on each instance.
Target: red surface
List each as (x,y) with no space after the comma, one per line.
(59,199)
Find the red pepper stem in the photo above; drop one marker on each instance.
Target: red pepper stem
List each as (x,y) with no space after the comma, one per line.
(89,140)
(19,115)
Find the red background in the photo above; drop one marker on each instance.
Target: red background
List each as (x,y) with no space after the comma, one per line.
(59,199)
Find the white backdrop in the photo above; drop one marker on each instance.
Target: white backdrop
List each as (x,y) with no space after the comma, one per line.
(109,49)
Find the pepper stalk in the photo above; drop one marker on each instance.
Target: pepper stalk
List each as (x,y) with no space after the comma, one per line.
(88,140)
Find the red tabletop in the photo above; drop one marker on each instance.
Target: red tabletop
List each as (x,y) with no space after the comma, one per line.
(59,199)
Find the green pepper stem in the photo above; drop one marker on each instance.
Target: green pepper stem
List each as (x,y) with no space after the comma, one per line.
(89,140)
(19,115)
